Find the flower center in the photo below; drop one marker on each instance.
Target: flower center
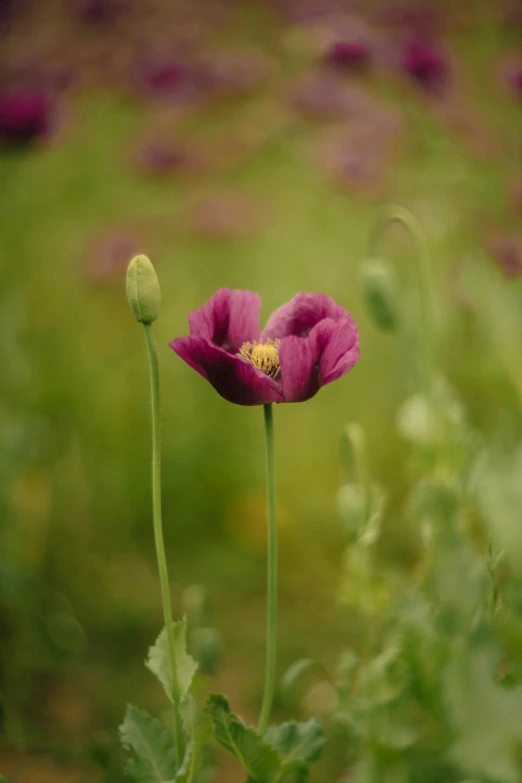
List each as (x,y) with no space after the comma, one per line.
(263,355)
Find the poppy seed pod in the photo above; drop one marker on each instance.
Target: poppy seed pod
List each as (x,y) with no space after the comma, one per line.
(143,290)
(207,643)
(380,293)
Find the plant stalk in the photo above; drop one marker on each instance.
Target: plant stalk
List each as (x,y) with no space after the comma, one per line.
(271,624)
(396,214)
(158,532)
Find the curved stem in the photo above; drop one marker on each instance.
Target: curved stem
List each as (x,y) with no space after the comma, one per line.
(158,530)
(271,623)
(355,436)
(396,214)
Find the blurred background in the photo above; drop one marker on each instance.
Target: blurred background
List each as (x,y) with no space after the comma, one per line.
(248,145)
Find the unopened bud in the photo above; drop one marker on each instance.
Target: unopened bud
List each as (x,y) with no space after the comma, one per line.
(143,290)
(208,645)
(380,293)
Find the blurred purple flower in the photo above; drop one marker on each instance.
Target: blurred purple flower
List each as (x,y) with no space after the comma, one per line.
(516,195)
(425,63)
(509,72)
(234,71)
(325,95)
(25,116)
(307,343)
(99,11)
(348,54)
(5,7)
(354,160)
(506,250)
(223,215)
(162,77)
(414,16)
(110,253)
(161,156)
(517,81)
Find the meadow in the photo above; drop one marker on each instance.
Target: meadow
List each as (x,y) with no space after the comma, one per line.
(259,146)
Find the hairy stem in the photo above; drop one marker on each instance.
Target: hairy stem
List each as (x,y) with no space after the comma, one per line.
(271,623)
(158,531)
(396,214)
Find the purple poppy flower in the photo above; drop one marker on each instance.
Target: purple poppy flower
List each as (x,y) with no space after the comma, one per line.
(425,63)
(506,250)
(348,54)
(517,81)
(99,11)
(24,116)
(307,343)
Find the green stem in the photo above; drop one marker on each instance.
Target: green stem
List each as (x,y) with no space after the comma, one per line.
(271,623)
(158,531)
(354,434)
(396,214)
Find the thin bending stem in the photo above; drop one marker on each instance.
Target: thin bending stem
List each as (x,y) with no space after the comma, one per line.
(158,530)
(355,436)
(271,623)
(396,214)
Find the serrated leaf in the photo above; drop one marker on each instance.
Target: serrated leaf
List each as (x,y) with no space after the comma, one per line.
(158,661)
(259,760)
(198,727)
(154,749)
(298,744)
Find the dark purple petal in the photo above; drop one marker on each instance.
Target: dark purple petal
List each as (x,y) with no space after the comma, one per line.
(329,351)
(99,11)
(299,360)
(229,319)
(348,54)
(338,344)
(425,63)
(506,250)
(24,116)
(298,316)
(233,378)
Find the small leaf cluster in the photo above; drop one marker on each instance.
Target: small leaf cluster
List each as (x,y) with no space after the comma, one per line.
(285,752)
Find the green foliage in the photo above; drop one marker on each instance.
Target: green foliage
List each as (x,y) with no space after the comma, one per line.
(158,660)
(155,754)
(288,749)
(298,744)
(198,728)
(379,291)
(258,758)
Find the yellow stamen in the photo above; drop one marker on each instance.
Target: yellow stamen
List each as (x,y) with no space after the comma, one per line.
(263,355)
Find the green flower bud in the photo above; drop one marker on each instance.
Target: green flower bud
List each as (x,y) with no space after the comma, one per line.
(143,290)
(195,603)
(380,293)
(207,648)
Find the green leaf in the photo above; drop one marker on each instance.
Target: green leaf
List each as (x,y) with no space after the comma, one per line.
(198,727)
(297,671)
(485,716)
(158,661)
(259,760)
(298,744)
(155,759)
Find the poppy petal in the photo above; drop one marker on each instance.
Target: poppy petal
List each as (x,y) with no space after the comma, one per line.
(233,378)
(228,319)
(299,316)
(327,353)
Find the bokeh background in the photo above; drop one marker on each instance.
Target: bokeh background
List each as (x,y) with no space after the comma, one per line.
(248,145)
